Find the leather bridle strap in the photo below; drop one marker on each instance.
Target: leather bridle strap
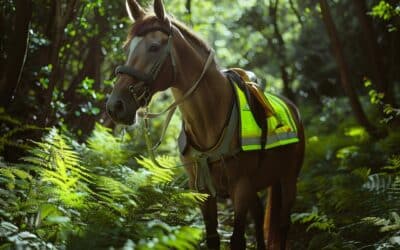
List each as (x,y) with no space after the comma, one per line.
(187,93)
(155,69)
(125,69)
(145,79)
(172,107)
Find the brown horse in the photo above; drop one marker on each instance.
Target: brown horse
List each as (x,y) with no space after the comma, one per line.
(163,53)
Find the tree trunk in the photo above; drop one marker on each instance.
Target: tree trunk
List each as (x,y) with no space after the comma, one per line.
(62,16)
(375,60)
(281,51)
(16,53)
(343,68)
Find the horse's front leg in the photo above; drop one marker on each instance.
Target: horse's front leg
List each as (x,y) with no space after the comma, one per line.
(209,211)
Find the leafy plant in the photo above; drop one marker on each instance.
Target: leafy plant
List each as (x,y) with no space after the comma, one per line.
(55,199)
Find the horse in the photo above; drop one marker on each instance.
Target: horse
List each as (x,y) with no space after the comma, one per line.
(165,54)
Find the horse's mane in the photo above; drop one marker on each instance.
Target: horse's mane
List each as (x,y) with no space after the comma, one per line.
(188,33)
(151,20)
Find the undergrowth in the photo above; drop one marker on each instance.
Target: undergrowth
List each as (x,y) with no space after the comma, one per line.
(349,187)
(66,195)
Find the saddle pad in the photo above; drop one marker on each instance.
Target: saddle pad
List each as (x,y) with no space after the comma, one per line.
(281,126)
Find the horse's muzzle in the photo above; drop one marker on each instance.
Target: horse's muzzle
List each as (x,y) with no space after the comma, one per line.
(120,112)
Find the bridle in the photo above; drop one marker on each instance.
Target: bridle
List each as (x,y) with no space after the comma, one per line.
(140,91)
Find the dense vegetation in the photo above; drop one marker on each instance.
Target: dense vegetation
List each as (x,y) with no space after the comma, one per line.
(71,179)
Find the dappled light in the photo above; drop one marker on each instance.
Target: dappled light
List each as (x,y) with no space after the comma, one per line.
(181,124)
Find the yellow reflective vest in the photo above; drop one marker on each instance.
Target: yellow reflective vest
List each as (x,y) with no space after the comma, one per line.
(281,126)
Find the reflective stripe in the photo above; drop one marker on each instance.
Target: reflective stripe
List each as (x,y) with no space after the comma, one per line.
(276,140)
(250,132)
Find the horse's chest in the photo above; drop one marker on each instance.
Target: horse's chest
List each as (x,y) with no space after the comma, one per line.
(211,178)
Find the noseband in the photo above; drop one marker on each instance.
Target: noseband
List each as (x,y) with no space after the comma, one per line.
(142,99)
(140,91)
(148,78)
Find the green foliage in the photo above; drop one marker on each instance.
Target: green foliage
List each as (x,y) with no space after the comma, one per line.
(60,170)
(106,149)
(57,199)
(385,10)
(169,238)
(10,128)
(348,189)
(314,220)
(102,193)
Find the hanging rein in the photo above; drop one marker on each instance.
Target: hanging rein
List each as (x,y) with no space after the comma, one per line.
(141,91)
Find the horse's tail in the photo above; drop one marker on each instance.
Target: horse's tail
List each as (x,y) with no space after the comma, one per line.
(272,227)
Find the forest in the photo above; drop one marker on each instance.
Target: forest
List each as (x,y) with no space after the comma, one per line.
(71,178)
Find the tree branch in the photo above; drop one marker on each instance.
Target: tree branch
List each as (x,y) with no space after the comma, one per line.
(296,12)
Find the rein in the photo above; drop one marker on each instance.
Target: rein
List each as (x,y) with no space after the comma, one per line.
(172,107)
(142,99)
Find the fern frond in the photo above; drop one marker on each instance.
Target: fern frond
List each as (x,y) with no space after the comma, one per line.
(106,147)
(378,183)
(60,166)
(175,239)
(115,194)
(191,198)
(314,220)
(159,175)
(9,176)
(394,164)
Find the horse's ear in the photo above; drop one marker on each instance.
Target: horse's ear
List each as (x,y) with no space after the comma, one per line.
(134,10)
(159,9)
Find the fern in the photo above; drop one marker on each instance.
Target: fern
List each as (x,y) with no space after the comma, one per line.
(378,183)
(75,197)
(384,189)
(18,203)
(314,220)
(173,239)
(106,149)
(59,165)
(160,175)
(14,127)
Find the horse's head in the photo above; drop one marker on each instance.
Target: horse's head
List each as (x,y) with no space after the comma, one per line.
(149,66)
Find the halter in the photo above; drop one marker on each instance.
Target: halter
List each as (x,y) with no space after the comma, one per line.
(140,91)
(147,78)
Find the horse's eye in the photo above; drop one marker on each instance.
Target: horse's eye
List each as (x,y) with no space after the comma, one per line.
(154,47)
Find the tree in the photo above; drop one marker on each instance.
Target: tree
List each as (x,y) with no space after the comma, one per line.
(16,52)
(375,58)
(62,14)
(338,53)
(281,50)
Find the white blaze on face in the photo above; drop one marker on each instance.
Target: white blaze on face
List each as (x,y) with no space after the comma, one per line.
(132,46)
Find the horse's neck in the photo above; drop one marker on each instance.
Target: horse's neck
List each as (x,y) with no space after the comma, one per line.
(205,111)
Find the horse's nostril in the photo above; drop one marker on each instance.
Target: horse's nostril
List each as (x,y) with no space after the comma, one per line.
(119,106)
